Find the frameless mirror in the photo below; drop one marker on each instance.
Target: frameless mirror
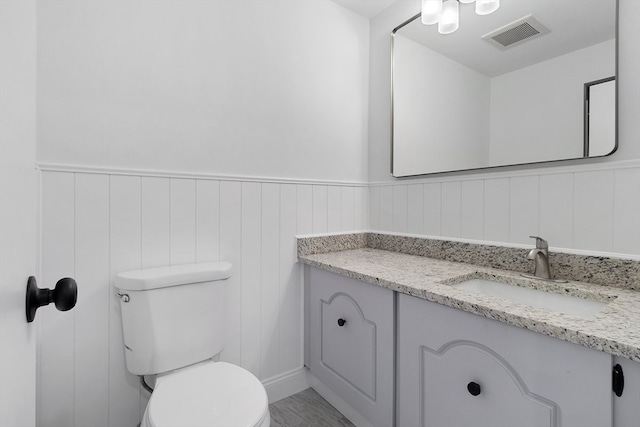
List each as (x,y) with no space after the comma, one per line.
(540,86)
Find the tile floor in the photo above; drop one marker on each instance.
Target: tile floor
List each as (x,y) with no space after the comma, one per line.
(306,409)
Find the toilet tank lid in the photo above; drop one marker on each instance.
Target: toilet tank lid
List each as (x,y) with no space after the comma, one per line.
(175,275)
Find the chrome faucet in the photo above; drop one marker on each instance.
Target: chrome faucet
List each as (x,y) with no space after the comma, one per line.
(540,256)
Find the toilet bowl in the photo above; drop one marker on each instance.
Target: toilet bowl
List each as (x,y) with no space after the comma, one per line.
(211,394)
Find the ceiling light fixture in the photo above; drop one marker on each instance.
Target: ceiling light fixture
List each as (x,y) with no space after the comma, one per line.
(431,11)
(447,13)
(450,18)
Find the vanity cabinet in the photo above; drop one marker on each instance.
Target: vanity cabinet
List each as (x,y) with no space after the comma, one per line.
(350,327)
(402,361)
(458,369)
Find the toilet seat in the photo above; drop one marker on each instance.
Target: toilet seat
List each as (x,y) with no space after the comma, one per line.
(211,394)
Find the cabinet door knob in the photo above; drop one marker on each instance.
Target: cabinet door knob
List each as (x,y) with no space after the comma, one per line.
(341,322)
(474,388)
(618,380)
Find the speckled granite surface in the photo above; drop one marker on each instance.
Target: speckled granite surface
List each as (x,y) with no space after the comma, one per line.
(330,243)
(615,329)
(621,273)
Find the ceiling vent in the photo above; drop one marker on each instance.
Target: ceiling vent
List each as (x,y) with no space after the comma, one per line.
(519,31)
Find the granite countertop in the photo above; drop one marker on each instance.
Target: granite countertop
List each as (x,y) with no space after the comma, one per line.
(615,329)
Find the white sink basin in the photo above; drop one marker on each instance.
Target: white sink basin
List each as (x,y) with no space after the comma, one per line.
(567,304)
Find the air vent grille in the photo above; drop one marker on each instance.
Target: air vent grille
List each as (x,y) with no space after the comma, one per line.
(515,35)
(516,32)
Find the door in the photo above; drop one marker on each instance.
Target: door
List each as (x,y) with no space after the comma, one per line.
(351,342)
(457,369)
(18,189)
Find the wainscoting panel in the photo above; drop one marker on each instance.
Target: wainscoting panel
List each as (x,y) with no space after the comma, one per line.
(432,209)
(320,209)
(56,343)
(183,221)
(95,225)
(289,292)
(269,284)
(400,208)
(626,210)
(593,204)
(92,308)
(585,207)
(385,210)
(125,245)
(472,209)
(415,209)
(555,211)
(155,222)
(524,196)
(496,209)
(451,209)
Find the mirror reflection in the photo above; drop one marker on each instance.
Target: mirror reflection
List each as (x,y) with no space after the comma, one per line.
(538,87)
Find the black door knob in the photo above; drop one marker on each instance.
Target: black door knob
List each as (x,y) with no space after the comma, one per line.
(474,388)
(64,296)
(341,322)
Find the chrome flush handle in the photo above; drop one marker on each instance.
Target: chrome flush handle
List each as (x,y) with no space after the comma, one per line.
(123,297)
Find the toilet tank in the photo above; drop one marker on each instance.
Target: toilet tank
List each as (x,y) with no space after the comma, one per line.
(172,316)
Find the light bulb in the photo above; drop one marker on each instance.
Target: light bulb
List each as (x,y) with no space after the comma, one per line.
(431,11)
(485,7)
(450,18)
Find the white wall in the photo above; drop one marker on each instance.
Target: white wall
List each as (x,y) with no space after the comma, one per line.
(18,196)
(121,80)
(593,205)
(228,87)
(196,92)
(441,112)
(525,126)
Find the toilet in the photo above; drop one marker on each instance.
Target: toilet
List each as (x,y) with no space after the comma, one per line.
(173,325)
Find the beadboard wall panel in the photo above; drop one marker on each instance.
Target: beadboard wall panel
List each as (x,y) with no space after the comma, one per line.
(626,209)
(524,214)
(125,244)
(289,292)
(496,210)
(472,209)
(415,209)
(92,269)
(593,208)
(95,225)
(56,343)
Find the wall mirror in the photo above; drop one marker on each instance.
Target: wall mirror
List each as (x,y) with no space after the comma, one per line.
(539,87)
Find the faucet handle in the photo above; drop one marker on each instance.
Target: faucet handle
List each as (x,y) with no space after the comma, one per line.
(540,242)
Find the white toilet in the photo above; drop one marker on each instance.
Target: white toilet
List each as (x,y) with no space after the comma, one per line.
(173,324)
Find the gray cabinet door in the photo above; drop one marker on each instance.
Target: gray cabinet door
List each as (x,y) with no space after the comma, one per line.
(626,408)
(351,342)
(459,369)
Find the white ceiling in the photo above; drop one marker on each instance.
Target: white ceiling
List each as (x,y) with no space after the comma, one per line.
(366,8)
(573,24)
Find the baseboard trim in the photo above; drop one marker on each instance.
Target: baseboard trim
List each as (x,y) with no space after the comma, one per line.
(285,385)
(337,402)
